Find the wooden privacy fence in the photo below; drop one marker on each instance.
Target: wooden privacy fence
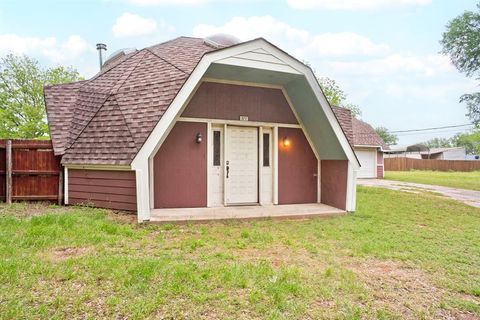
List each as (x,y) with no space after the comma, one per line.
(29,171)
(405,164)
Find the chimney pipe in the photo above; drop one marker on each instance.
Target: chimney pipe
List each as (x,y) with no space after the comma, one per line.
(100,47)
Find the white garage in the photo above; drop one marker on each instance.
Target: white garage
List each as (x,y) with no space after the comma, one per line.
(368,162)
(366,143)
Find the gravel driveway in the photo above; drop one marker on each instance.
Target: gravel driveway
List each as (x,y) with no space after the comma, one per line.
(469,197)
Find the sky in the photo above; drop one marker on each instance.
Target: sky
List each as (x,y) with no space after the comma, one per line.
(385,54)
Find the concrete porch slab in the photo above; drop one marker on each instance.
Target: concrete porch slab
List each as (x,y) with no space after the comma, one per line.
(289,211)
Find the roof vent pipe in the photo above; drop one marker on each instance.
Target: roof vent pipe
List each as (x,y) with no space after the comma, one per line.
(100,47)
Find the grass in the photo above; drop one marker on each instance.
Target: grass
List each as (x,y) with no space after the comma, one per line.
(461,180)
(401,255)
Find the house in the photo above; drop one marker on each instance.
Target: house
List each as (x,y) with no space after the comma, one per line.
(452,153)
(196,122)
(367,144)
(369,148)
(420,151)
(413,151)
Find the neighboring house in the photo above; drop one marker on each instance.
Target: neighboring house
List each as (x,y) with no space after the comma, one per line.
(368,145)
(420,151)
(413,151)
(454,153)
(193,123)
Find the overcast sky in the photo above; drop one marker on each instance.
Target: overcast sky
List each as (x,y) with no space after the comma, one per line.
(383,53)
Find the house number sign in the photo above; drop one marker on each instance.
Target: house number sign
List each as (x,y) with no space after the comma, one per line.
(243,118)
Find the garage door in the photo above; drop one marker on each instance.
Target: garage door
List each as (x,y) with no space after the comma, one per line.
(367,162)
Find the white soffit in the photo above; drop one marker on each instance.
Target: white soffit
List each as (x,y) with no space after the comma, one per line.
(259,59)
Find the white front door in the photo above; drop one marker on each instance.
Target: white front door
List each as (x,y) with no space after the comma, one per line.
(241,165)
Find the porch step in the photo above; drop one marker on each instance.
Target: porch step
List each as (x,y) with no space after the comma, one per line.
(199,215)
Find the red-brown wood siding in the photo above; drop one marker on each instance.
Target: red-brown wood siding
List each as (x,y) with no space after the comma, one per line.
(297,168)
(103,188)
(228,101)
(334,176)
(180,168)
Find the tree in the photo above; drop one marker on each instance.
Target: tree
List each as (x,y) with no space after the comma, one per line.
(387,137)
(332,91)
(470,141)
(22,107)
(337,97)
(334,94)
(439,143)
(461,41)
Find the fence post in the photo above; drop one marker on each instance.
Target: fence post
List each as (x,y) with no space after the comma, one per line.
(60,186)
(8,173)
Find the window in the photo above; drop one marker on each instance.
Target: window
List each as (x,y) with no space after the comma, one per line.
(216,148)
(266,149)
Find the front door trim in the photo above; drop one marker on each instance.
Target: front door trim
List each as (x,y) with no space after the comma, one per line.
(270,127)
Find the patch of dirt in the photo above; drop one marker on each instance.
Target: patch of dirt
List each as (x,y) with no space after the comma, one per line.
(455,315)
(398,287)
(62,254)
(403,290)
(122,216)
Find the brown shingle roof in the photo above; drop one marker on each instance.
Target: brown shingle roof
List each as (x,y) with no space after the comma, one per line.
(106,120)
(106,137)
(344,117)
(60,100)
(365,135)
(358,133)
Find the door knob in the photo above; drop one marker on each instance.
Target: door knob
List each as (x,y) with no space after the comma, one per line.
(228,169)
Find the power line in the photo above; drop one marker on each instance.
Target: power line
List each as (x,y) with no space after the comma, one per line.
(433,128)
(408,133)
(435,132)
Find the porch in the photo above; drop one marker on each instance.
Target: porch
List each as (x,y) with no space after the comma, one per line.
(288,211)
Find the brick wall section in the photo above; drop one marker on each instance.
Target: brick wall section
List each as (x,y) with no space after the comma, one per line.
(297,168)
(334,176)
(380,165)
(103,189)
(379,172)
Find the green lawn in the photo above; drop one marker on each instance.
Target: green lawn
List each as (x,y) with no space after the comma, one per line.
(462,180)
(401,255)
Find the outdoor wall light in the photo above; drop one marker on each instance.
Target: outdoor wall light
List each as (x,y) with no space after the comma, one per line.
(198,138)
(286,142)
